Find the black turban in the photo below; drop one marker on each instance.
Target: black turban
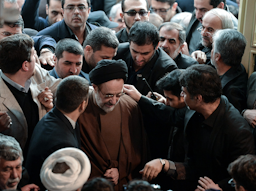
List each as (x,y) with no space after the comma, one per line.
(107,70)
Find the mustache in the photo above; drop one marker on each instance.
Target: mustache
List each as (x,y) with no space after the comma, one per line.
(76,17)
(13,180)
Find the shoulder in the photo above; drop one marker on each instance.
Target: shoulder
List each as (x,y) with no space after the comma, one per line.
(164,60)
(52,29)
(128,102)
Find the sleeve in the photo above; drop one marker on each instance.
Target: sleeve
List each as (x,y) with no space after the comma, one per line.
(43,42)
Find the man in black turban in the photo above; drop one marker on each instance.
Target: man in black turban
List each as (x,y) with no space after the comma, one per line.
(112,133)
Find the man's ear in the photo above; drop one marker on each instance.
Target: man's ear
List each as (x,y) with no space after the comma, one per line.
(181,46)
(89,10)
(83,106)
(47,9)
(55,59)
(88,49)
(157,46)
(95,87)
(122,16)
(199,98)
(174,6)
(217,57)
(25,66)
(221,5)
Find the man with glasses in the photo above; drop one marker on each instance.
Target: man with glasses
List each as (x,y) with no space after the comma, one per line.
(112,133)
(165,8)
(132,11)
(73,25)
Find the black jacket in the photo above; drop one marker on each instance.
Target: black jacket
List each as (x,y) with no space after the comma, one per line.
(53,132)
(234,86)
(152,72)
(183,61)
(122,35)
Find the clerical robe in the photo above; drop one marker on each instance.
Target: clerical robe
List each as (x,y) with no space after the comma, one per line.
(114,140)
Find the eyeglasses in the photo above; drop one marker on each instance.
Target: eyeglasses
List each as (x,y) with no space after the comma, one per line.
(73,8)
(232,183)
(133,13)
(161,11)
(107,96)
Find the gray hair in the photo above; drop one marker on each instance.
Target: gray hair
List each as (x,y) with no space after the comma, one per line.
(230,44)
(171,26)
(113,11)
(101,36)
(224,16)
(10,149)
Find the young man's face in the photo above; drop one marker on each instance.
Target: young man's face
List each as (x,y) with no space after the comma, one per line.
(8,31)
(163,9)
(138,6)
(201,7)
(54,11)
(174,101)
(68,64)
(141,55)
(10,174)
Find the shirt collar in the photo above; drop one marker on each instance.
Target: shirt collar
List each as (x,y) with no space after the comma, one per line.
(17,86)
(73,123)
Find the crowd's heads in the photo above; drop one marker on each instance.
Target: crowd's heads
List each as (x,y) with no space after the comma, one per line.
(243,172)
(172,38)
(230,45)
(10,158)
(171,86)
(71,93)
(65,169)
(54,11)
(69,57)
(14,50)
(75,13)
(155,19)
(139,185)
(11,28)
(200,80)
(108,78)
(214,20)
(133,11)
(101,43)
(98,184)
(201,7)
(164,8)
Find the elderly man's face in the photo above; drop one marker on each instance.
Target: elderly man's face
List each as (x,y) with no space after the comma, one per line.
(76,13)
(10,173)
(107,95)
(8,31)
(210,24)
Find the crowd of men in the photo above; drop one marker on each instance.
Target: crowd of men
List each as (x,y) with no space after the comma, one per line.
(98,98)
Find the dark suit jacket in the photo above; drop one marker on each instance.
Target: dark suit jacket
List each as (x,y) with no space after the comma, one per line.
(122,35)
(234,86)
(230,137)
(152,72)
(82,74)
(60,31)
(183,61)
(53,132)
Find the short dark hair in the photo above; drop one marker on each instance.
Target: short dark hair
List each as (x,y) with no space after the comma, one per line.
(171,26)
(69,45)
(243,171)
(230,44)
(215,3)
(123,7)
(143,32)
(101,36)
(14,50)
(202,80)
(98,184)
(170,82)
(71,92)
(10,149)
(48,1)
(170,2)
(63,2)
(139,185)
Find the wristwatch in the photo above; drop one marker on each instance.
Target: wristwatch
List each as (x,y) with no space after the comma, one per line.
(162,162)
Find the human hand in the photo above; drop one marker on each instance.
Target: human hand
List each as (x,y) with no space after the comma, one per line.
(207,183)
(5,121)
(250,116)
(151,169)
(159,97)
(199,56)
(184,49)
(132,92)
(112,175)
(46,57)
(46,98)
(30,187)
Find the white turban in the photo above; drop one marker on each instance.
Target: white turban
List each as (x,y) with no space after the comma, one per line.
(74,178)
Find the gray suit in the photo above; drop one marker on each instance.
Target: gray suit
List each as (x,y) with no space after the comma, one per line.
(8,103)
